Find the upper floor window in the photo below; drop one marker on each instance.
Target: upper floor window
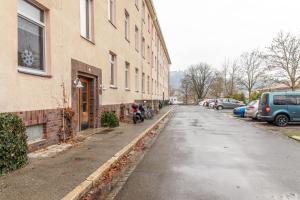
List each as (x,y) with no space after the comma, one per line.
(143,11)
(136,79)
(112,11)
(113,68)
(127,78)
(143,82)
(127,25)
(136,38)
(31,36)
(86,19)
(149,23)
(143,47)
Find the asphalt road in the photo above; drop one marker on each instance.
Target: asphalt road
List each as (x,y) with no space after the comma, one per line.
(206,155)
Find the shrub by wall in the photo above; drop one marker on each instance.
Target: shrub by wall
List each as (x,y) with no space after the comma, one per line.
(109,119)
(13,143)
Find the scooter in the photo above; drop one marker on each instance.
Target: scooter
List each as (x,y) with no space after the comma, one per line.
(138,117)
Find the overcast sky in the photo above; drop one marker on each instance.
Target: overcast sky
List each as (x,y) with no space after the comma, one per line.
(210,30)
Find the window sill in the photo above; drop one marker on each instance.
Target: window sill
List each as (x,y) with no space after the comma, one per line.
(34,73)
(113,87)
(112,23)
(88,40)
(127,89)
(136,91)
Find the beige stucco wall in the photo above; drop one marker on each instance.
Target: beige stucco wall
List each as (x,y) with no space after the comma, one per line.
(22,92)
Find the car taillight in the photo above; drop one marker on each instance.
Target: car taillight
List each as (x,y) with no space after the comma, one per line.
(251,107)
(268,109)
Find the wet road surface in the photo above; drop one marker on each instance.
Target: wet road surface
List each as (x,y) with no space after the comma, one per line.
(206,155)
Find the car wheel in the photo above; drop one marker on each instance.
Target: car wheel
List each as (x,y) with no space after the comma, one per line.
(220,107)
(281,120)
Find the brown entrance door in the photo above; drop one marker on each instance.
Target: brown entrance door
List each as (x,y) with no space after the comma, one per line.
(84,104)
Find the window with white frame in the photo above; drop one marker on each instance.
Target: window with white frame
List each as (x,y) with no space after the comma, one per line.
(152,86)
(136,79)
(86,21)
(136,38)
(143,47)
(127,25)
(143,82)
(143,11)
(148,84)
(137,4)
(127,75)
(31,36)
(148,54)
(112,11)
(149,23)
(113,68)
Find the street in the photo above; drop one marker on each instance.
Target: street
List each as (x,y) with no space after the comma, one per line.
(206,155)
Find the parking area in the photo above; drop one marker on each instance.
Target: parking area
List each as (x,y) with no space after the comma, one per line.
(293,129)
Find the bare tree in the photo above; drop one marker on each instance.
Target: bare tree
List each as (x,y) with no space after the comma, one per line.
(218,86)
(230,74)
(201,77)
(284,55)
(186,89)
(251,70)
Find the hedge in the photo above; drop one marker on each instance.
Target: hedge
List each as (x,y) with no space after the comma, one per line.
(13,143)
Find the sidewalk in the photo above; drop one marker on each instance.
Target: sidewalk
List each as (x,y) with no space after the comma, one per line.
(52,178)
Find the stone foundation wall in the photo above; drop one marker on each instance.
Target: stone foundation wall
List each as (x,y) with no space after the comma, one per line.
(50,119)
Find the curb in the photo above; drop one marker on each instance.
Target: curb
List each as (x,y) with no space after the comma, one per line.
(90,181)
(295,138)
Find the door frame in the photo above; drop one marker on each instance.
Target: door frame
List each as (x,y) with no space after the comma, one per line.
(94,75)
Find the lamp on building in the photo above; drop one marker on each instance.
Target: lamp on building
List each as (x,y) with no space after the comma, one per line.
(78,83)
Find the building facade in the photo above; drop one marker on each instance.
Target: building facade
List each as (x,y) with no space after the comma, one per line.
(88,55)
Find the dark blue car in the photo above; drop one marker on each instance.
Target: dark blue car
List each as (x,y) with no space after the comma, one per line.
(240,111)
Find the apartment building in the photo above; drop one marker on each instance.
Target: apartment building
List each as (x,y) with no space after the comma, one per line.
(89,55)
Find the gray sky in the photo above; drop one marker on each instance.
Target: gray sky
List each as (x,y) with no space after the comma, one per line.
(210,30)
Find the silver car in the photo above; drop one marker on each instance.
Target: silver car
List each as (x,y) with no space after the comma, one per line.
(252,110)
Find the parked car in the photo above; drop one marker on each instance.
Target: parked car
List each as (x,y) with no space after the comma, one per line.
(252,110)
(280,108)
(207,102)
(239,111)
(228,104)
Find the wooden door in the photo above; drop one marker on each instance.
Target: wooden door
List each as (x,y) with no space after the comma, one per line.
(84,104)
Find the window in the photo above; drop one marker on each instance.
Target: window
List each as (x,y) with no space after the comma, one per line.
(113,70)
(148,84)
(143,82)
(127,25)
(148,54)
(127,75)
(136,38)
(293,100)
(112,11)
(279,100)
(136,79)
(149,23)
(152,86)
(86,13)
(143,11)
(143,47)
(137,4)
(152,57)
(31,36)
